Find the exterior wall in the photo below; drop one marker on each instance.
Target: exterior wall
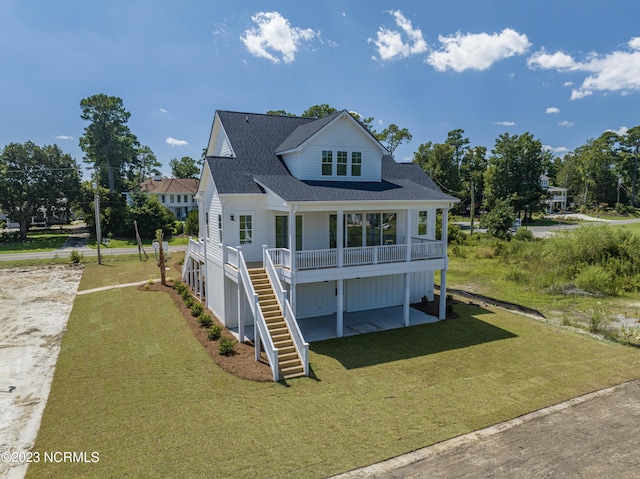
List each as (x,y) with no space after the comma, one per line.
(262,224)
(218,142)
(315,299)
(319,299)
(231,303)
(178,207)
(315,230)
(342,135)
(215,289)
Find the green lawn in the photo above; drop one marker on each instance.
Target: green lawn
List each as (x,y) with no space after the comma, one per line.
(134,385)
(633,227)
(132,243)
(36,242)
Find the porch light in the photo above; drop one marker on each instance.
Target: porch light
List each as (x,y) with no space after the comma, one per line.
(232,218)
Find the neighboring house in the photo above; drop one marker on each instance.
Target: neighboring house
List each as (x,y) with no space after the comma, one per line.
(177,194)
(556,199)
(304,218)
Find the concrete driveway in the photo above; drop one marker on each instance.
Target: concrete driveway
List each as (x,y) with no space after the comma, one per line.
(591,437)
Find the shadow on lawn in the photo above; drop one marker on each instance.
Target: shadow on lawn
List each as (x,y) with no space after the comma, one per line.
(404,343)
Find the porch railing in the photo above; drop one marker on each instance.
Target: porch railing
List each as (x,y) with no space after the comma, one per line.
(195,247)
(283,299)
(419,249)
(261,324)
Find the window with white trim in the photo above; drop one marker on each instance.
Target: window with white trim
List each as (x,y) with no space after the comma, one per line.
(246,229)
(341,168)
(220,228)
(356,163)
(327,163)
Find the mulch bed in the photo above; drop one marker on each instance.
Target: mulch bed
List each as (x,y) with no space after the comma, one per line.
(240,363)
(432,308)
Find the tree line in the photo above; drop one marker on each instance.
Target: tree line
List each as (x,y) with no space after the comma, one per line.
(603,171)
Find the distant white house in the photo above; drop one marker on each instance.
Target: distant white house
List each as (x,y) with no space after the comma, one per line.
(557,197)
(177,194)
(303,218)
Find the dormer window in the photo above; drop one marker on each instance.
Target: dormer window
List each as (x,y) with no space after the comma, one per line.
(327,163)
(356,163)
(342,163)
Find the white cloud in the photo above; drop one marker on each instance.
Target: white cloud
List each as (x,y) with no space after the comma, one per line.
(274,38)
(391,43)
(566,123)
(477,51)
(504,123)
(162,110)
(553,109)
(64,137)
(620,131)
(567,83)
(174,142)
(618,71)
(555,149)
(546,61)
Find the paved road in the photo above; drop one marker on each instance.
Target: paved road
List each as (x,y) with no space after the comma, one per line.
(591,437)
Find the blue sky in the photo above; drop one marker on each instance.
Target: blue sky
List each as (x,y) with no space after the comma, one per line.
(563,70)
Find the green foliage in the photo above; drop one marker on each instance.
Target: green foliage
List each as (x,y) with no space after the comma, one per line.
(205,320)
(215,332)
(150,215)
(196,309)
(185,167)
(499,220)
(33,178)
(178,228)
(226,346)
(76,257)
(523,234)
(192,223)
(180,287)
(107,141)
(595,279)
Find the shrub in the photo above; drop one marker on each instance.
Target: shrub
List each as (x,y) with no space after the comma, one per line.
(76,257)
(185,293)
(205,320)
(196,309)
(499,220)
(214,333)
(189,301)
(523,234)
(595,279)
(226,346)
(178,228)
(598,321)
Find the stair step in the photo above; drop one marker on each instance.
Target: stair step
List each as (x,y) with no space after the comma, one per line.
(282,351)
(284,343)
(283,358)
(280,337)
(289,363)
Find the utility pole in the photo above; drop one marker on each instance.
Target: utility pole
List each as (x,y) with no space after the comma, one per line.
(473,206)
(96,202)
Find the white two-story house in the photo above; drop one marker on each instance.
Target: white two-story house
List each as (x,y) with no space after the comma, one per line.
(177,194)
(306,218)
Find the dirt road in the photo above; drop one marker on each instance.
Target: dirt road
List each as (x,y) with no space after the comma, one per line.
(34,307)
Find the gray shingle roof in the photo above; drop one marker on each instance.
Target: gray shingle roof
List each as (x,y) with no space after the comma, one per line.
(256,137)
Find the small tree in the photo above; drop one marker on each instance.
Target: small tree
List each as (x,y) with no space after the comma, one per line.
(499,220)
(150,215)
(192,223)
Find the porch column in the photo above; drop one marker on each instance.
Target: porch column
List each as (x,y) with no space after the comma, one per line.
(431,224)
(407,298)
(340,237)
(340,309)
(241,310)
(408,234)
(442,310)
(292,255)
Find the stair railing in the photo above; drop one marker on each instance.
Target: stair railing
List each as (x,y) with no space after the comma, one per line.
(296,335)
(261,333)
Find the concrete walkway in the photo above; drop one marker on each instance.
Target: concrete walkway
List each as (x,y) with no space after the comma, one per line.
(113,286)
(591,436)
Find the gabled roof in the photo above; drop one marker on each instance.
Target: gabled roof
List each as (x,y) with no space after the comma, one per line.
(256,138)
(169,185)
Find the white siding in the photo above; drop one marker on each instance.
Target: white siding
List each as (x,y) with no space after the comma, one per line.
(215,289)
(315,299)
(315,230)
(231,303)
(375,292)
(341,135)
(262,224)
(214,248)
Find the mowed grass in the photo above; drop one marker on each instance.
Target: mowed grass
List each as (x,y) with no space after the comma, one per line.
(134,385)
(124,270)
(36,242)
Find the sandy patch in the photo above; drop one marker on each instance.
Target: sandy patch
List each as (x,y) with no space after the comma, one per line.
(34,307)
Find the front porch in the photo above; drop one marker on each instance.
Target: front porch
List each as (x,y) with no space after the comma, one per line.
(320,328)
